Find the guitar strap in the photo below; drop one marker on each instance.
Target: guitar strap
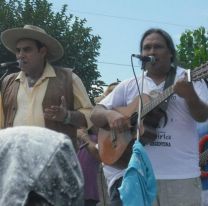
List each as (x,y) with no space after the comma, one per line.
(170,78)
(206,81)
(168,82)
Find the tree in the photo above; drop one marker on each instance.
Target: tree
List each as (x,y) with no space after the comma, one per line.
(193,48)
(80,45)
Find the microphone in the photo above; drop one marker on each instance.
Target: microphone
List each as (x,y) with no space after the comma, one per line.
(150,59)
(6,64)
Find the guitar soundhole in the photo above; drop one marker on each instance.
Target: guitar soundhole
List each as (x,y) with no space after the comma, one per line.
(151,122)
(134,118)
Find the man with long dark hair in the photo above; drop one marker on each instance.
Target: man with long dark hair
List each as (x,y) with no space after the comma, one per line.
(174,152)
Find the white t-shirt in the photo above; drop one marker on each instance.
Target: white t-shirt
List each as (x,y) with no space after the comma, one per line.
(174,154)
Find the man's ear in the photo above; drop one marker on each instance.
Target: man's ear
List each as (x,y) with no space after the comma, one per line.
(44,51)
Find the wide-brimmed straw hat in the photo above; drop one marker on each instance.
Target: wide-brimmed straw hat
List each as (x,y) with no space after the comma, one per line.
(10,37)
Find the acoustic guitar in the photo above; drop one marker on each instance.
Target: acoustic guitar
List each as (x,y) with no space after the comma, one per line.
(115,148)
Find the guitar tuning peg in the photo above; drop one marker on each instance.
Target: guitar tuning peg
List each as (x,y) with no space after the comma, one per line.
(189,75)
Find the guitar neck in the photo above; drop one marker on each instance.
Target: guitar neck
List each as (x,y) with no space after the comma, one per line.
(156,101)
(195,74)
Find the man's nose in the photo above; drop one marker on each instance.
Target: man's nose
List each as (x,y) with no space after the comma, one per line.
(152,50)
(20,54)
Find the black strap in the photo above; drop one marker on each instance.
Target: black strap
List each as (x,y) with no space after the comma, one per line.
(170,78)
(168,82)
(206,81)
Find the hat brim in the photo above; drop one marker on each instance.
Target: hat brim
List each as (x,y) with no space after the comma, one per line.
(10,37)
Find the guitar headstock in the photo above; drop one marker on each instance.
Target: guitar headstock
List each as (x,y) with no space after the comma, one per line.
(200,72)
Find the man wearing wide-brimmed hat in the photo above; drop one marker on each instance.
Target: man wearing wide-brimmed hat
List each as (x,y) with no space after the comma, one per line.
(41,94)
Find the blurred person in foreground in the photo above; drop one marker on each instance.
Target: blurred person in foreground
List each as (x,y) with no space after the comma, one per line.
(173,151)
(41,94)
(39,167)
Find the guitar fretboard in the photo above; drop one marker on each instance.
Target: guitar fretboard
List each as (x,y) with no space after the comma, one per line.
(196,74)
(156,101)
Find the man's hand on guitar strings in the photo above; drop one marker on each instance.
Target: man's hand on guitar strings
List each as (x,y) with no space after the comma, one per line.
(118,121)
(184,89)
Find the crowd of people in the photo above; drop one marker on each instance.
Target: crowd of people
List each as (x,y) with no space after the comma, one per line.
(50,153)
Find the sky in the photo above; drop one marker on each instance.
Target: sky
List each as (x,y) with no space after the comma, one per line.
(121,23)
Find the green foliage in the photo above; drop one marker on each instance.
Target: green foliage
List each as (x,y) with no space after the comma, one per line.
(193,48)
(80,45)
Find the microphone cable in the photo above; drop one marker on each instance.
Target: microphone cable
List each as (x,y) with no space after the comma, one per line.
(137,84)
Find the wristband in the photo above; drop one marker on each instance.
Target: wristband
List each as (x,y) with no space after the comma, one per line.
(67,118)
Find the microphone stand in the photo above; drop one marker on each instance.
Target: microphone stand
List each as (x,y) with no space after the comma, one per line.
(140,100)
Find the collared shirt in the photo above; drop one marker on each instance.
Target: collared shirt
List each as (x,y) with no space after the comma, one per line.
(29,99)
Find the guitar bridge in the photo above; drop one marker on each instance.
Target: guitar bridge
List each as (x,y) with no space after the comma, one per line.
(113,137)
